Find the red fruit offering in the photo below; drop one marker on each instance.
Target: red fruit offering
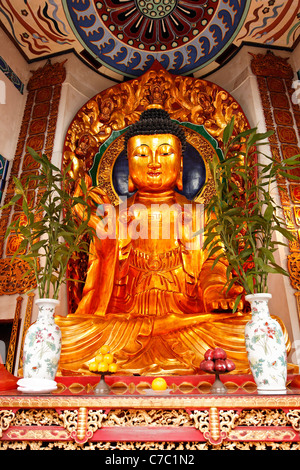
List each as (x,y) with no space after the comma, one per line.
(230,365)
(220,365)
(209,366)
(219,353)
(209,355)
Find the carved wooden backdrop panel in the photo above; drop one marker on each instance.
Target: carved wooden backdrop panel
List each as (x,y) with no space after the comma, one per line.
(282,115)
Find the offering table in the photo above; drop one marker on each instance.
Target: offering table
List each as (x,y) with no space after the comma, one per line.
(133,416)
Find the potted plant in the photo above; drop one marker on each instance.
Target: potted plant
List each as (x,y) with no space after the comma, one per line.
(244,221)
(50,233)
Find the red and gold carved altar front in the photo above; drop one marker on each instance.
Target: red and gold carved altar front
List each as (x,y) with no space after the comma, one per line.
(134,417)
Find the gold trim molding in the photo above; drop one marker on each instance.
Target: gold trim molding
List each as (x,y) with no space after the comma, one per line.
(145,402)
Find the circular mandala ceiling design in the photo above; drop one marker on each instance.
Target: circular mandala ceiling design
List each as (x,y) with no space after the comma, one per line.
(127,36)
(157,25)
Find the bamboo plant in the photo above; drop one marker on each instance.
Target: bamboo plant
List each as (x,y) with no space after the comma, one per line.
(52,232)
(244,218)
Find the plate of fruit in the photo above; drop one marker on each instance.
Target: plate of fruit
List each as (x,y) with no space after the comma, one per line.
(216,362)
(103,364)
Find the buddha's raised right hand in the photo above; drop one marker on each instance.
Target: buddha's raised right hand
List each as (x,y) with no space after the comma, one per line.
(94,196)
(93,193)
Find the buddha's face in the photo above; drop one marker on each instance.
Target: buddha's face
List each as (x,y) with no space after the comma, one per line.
(154,162)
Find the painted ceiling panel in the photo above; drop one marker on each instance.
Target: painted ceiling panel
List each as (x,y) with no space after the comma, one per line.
(125,37)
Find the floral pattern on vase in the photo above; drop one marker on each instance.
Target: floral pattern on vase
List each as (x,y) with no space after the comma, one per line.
(42,344)
(265,346)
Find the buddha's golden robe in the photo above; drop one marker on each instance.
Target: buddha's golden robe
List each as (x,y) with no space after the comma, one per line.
(157,303)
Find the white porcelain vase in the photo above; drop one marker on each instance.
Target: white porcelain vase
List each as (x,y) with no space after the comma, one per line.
(265,346)
(42,345)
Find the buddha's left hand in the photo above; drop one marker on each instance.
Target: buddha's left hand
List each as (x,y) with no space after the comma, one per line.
(216,298)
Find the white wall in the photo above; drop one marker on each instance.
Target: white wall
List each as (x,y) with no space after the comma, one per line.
(295,59)
(12,110)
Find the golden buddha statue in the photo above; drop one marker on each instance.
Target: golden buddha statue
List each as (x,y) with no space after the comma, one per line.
(151,294)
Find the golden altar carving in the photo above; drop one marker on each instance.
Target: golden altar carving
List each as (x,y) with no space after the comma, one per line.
(158,304)
(188,418)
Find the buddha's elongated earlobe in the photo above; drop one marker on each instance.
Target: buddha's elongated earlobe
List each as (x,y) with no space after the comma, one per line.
(131,186)
(179,183)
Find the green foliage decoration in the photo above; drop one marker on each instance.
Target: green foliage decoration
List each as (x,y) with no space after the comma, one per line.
(244,218)
(53,232)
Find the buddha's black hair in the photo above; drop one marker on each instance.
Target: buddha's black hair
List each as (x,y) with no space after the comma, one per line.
(156,121)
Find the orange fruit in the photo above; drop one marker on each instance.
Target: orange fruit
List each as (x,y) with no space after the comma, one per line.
(113,367)
(93,366)
(102,367)
(99,358)
(104,349)
(159,384)
(108,358)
